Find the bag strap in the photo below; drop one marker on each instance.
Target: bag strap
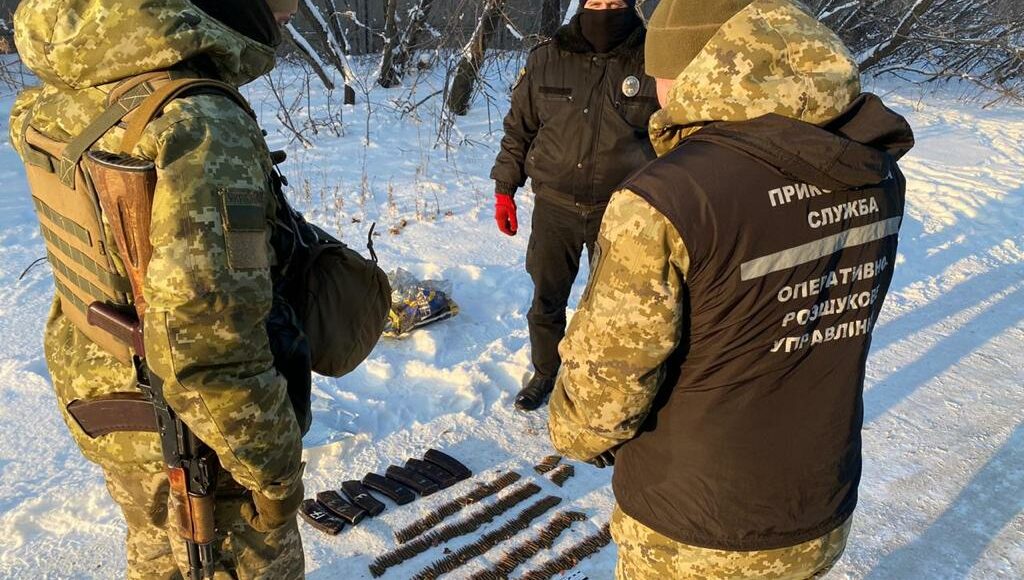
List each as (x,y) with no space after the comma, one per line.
(32,155)
(143,97)
(130,94)
(155,103)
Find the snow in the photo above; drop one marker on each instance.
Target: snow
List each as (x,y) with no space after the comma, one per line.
(943,487)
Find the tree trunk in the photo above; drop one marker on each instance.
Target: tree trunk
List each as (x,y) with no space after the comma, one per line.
(550,17)
(398,47)
(412,38)
(467,72)
(308,54)
(389,74)
(333,49)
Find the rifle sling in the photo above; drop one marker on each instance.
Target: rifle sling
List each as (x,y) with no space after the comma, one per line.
(166,93)
(112,115)
(137,101)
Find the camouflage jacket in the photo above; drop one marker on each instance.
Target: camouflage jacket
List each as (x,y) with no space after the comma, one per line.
(209,285)
(631,318)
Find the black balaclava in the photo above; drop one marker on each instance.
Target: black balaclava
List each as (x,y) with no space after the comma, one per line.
(253,18)
(606,29)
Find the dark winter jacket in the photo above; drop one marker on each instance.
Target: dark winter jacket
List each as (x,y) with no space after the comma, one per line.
(576,127)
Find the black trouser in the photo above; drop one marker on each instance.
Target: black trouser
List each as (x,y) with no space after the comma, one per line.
(560,232)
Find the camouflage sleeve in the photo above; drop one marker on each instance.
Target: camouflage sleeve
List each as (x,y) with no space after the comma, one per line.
(628,323)
(209,290)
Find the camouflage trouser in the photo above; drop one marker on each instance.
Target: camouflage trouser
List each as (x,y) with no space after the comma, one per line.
(644,553)
(133,466)
(154,551)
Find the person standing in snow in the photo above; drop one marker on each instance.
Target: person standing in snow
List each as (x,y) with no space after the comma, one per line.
(577,127)
(209,285)
(717,358)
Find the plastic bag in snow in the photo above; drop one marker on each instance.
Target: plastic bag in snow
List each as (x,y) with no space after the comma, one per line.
(416,303)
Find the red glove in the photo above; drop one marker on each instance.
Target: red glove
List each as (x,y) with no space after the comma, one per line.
(505,214)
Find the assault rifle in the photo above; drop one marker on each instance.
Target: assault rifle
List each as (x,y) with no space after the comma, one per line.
(124,187)
(191,465)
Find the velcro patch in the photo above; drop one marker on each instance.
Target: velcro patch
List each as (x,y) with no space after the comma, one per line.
(245,229)
(247,250)
(244,211)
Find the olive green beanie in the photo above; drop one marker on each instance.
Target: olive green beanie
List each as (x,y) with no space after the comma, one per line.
(679,29)
(283,5)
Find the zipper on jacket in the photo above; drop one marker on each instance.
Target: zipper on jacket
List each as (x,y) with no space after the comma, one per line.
(599,115)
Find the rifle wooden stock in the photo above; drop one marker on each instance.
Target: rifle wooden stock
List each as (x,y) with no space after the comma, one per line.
(125,186)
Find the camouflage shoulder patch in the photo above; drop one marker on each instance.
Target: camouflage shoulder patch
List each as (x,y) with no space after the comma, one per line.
(244,211)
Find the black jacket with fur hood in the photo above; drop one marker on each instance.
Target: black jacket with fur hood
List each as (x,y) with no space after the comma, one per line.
(578,121)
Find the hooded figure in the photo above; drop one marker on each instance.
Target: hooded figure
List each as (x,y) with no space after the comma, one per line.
(717,358)
(577,127)
(208,288)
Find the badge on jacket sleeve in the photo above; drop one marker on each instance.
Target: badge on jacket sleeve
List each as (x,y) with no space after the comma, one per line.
(630,86)
(519,79)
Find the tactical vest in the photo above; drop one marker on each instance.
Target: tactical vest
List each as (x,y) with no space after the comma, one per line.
(83,256)
(754,440)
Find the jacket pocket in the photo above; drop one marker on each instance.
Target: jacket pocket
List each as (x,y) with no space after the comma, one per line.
(556,93)
(637,110)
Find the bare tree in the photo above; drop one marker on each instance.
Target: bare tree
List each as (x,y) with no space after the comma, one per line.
(467,71)
(550,17)
(309,54)
(328,44)
(980,42)
(400,42)
(413,38)
(389,75)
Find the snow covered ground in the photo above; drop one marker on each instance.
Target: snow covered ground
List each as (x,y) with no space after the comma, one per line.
(943,488)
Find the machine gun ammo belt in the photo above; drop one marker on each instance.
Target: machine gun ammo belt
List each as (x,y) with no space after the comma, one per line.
(111,413)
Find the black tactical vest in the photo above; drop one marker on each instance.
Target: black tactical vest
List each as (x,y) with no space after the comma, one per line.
(792,233)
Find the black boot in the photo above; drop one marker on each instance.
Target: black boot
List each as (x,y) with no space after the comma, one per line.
(535,393)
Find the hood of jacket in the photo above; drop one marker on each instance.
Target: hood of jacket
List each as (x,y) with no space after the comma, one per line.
(78,44)
(770,58)
(854,150)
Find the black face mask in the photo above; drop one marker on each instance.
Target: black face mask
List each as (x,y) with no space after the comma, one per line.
(253,18)
(606,29)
